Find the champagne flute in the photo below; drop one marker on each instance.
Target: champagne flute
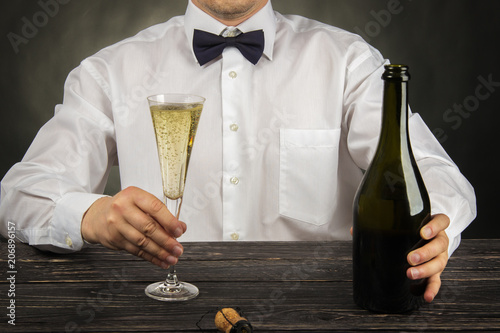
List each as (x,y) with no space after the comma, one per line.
(175,121)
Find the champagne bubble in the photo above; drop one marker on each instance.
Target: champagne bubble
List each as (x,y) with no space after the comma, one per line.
(175,130)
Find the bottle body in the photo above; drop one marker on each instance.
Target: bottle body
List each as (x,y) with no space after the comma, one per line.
(390,208)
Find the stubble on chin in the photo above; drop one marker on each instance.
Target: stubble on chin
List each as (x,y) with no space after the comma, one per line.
(228,9)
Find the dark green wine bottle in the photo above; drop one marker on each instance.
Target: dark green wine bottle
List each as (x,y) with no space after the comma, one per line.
(390,208)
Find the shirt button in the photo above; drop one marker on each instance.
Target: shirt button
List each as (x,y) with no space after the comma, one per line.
(69,242)
(233,74)
(235,236)
(234,127)
(234,180)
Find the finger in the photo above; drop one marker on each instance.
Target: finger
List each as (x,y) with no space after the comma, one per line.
(147,234)
(437,224)
(151,205)
(432,288)
(145,247)
(184,227)
(131,248)
(124,236)
(428,269)
(433,248)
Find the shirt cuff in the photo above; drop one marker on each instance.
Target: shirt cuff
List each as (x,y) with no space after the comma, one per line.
(67,220)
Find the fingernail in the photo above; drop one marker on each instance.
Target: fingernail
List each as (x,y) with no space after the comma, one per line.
(415,258)
(427,232)
(178,232)
(164,265)
(415,274)
(177,251)
(171,260)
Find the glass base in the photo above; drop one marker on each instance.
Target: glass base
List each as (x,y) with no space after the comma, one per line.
(161,291)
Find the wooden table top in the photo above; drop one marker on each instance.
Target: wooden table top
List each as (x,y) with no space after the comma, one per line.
(279,286)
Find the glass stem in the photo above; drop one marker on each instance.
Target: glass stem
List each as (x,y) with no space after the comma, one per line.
(178,208)
(172,281)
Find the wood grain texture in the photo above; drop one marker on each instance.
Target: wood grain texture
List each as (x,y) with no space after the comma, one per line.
(280,286)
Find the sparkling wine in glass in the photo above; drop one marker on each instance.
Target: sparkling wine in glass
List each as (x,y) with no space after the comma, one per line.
(175,121)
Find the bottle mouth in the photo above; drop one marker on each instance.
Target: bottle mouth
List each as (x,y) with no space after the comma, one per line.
(396,72)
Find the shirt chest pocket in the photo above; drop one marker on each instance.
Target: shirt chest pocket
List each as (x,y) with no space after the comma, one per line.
(308,174)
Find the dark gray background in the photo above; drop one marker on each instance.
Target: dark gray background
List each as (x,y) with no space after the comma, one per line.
(448,44)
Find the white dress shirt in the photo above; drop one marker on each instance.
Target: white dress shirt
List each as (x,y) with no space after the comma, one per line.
(279,151)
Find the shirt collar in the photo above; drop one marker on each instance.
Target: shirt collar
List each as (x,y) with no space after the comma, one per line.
(264,19)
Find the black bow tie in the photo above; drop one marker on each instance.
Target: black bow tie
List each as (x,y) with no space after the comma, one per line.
(208,46)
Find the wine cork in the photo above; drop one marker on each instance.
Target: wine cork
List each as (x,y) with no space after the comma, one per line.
(229,320)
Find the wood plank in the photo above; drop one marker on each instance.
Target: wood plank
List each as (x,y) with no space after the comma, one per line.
(102,264)
(232,270)
(210,250)
(269,305)
(235,270)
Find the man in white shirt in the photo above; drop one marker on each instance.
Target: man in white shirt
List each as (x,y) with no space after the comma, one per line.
(279,153)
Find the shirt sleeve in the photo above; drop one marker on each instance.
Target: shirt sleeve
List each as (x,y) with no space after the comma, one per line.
(449,191)
(64,171)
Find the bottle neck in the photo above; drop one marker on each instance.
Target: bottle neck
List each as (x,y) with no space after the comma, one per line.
(394,133)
